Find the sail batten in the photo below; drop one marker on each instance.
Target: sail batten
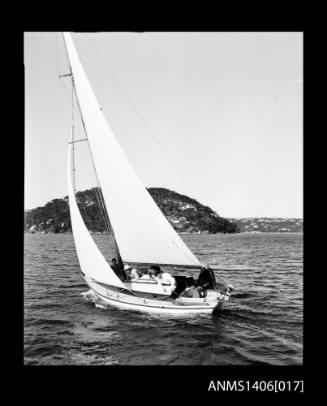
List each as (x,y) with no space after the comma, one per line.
(142,232)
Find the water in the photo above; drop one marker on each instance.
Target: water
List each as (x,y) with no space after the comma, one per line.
(262,324)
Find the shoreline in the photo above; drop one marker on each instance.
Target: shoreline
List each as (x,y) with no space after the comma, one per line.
(182,233)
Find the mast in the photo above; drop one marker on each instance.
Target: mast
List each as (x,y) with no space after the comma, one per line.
(142,232)
(98,192)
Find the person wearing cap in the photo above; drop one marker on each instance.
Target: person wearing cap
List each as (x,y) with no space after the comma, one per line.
(131,272)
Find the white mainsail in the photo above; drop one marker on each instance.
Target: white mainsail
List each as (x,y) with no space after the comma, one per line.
(142,232)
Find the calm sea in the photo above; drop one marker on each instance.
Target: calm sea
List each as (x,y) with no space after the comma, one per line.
(262,323)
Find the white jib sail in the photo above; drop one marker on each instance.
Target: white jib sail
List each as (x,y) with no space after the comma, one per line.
(92,262)
(142,232)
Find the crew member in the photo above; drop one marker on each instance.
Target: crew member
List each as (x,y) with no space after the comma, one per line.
(163,277)
(118,269)
(131,273)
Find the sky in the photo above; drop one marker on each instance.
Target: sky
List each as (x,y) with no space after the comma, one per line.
(225,108)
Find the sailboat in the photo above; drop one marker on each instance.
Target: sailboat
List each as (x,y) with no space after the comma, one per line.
(142,234)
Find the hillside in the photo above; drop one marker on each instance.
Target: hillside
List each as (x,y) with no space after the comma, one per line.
(186,215)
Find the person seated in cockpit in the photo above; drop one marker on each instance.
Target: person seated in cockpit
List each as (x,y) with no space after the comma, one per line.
(131,273)
(207,278)
(151,273)
(163,277)
(146,275)
(118,269)
(194,290)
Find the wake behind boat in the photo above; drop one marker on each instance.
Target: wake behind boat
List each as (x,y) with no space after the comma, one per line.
(142,236)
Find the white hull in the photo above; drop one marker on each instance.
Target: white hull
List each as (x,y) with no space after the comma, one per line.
(126,301)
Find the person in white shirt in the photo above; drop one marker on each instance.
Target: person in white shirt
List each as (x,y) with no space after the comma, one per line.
(131,273)
(164,278)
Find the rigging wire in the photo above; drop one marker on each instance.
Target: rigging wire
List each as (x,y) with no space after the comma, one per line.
(60,77)
(146,126)
(73,144)
(142,119)
(98,194)
(105,213)
(97,190)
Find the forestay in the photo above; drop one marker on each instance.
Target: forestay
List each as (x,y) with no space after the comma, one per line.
(142,232)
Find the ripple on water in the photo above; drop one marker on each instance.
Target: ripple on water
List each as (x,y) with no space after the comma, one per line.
(262,324)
